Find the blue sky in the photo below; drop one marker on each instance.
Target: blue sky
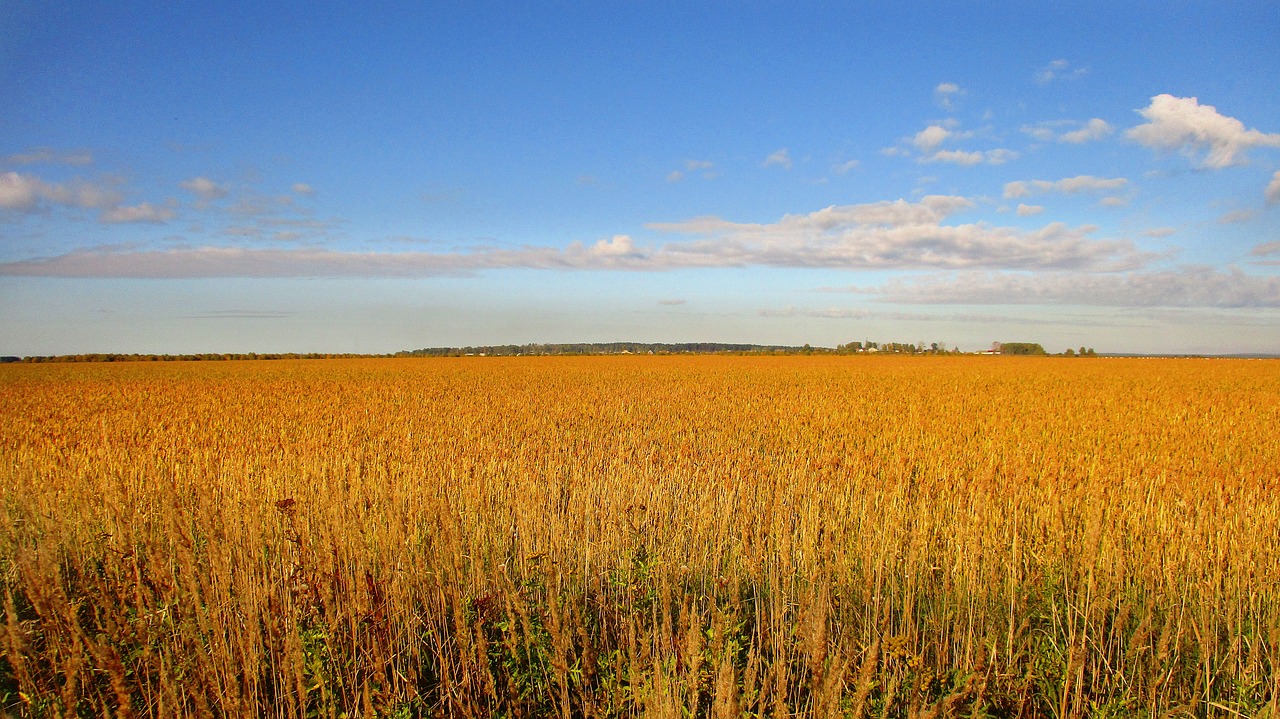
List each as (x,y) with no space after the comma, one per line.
(221,177)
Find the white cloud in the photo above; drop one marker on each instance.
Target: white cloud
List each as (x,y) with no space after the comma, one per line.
(894,152)
(880,235)
(946,93)
(999,156)
(1272,193)
(1184,287)
(49,156)
(1095,129)
(1068,185)
(930,137)
(303,189)
(617,246)
(1029,210)
(1159,232)
(1114,201)
(1183,124)
(145,212)
(675,176)
(781,158)
(27,193)
(21,192)
(955,157)
(203,188)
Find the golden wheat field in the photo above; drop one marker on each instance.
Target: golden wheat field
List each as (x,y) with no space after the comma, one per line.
(641,536)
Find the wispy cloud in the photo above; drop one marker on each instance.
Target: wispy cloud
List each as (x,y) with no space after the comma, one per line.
(1094,129)
(205,190)
(50,156)
(1067,185)
(1183,124)
(1081,132)
(705,168)
(946,94)
(780,158)
(1235,217)
(145,212)
(998,156)
(1058,70)
(1266,249)
(846,167)
(1272,193)
(881,235)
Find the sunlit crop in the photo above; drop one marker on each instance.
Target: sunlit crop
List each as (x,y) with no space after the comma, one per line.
(618,536)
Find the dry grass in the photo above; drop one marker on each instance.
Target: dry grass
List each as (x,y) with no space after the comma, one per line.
(590,537)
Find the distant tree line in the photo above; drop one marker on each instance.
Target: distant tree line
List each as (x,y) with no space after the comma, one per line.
(599,348)
(581,348)
(865,346)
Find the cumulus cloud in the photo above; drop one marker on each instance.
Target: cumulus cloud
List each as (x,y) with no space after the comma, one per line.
(1068,185)
(1183,124)
(930,137)
(781,158)
(1028,210)
(946,93)
(145,212)
(880,235)
(1272,193)
(49,156)
(1195,286)
(303,189)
